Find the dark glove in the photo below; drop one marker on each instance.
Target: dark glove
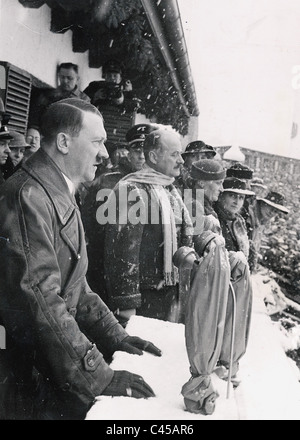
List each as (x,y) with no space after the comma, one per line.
(128,384)
(136,345)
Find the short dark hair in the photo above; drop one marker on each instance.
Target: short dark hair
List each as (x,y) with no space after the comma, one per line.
(68,66)
(65,115)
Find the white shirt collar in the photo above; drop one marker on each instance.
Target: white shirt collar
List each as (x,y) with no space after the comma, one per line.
(70,184)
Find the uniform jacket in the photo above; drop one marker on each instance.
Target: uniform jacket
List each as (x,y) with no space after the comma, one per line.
(46,304)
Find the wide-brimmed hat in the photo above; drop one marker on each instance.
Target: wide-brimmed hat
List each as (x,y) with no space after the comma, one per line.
(18,140)
(199,147)
(240,171)
(208,169)
(136,135)
(232,184)
(276,200)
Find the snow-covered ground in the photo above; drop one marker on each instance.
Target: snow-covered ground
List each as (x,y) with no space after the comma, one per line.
(270,387)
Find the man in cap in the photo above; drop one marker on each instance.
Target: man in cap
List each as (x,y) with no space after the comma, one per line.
(59,332)
(150,222)
(5,138)
(261,213)
(110,91)
(194,151)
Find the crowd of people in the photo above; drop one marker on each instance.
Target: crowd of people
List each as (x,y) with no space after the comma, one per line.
(90,238)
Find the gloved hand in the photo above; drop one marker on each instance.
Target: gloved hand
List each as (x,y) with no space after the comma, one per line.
(128,384)
(136,345)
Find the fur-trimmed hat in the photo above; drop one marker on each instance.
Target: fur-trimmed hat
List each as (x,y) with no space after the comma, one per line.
(240,171)
(232,184)
(208,169)
(276,200)
(199,147)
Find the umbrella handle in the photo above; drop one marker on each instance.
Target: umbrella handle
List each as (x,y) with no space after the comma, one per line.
(232,337)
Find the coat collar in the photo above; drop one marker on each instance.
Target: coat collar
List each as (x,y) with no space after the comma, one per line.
(42,168)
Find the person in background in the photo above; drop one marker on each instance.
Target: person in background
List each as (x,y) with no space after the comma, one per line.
(194,152)
(18,146)
(240,171)
(112,90)
(60,334)
(133,160)
(217,274)
(68,87)
(118,151)
(140,276)
(222,200)
(261,213)
(5,138)
(33,138)
(227,208)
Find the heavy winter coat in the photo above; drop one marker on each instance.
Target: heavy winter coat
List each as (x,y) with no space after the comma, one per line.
(48,310)
(134,257)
